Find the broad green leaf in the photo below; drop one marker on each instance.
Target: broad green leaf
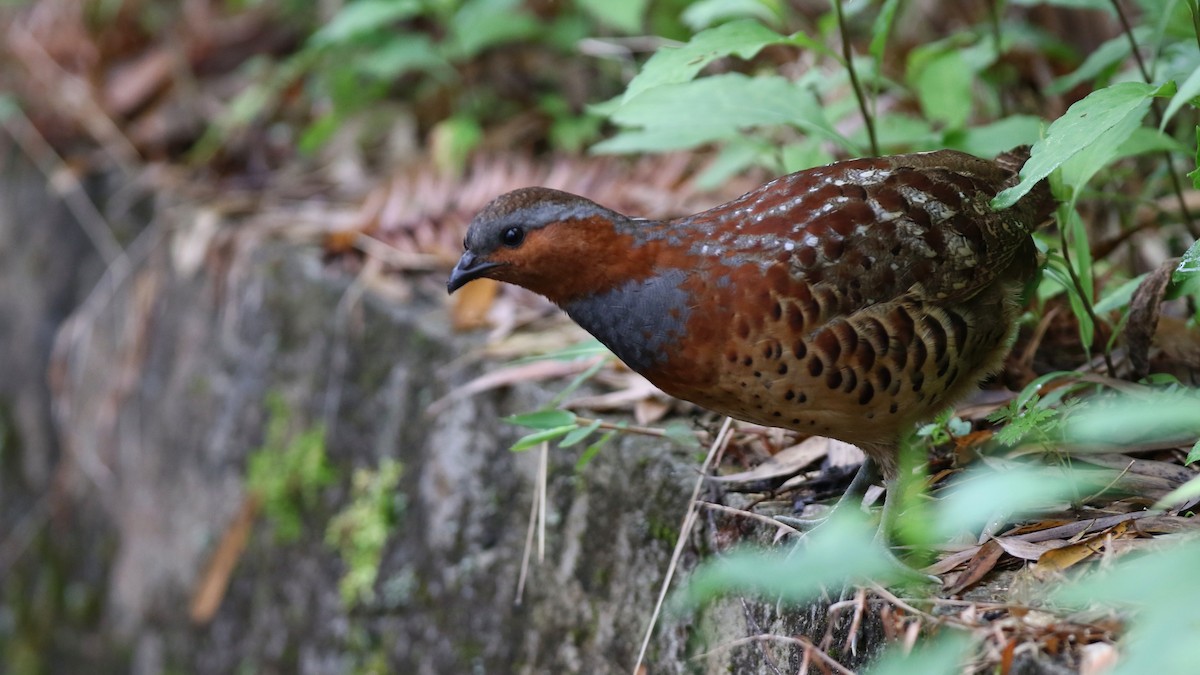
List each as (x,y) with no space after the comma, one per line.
(543,419)
(1194,454)
(1080,168)
(979,495)
(480,24)
(668,115)
(1159,610)
(739,154)
(624,15)
(364,16)
(1144,140)
(401,54)
(1188,90)
(842,550)
(1161,416)
(537,438)
(451,142)
(1185,278)
(943,86)
(672,65)
(947,654)
(803,155)
(1183,493)
(1105,57)
(1078,129)
(901,131)
(707,13)
(992,139)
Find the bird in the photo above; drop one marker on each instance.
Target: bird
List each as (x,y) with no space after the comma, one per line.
(851,300)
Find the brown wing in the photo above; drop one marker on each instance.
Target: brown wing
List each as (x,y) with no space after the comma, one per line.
(876,227)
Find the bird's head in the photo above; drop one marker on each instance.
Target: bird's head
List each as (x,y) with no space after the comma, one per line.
(551,242)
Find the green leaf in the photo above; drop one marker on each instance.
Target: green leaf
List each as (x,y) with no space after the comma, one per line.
(579,350)
(898,130)
(881,28)
(842,550)
(1195,173)
(1119,297)
(947,654)
(1194,454)
(1189,90)
(1057,271)
(1101,151)
(737,155)
(1123,419)
(681,433)
(672,65)
(452,141)
(804,154)
(594,449)
(943,84)
(992,139)
(1077,129)
(1185,278)
(1183,493)
(364,16)
(543,419)
(537,438)
(480,24)
(406,52)
(1144,140)
(979,494)
(577,382)
(624,15)
(1160,610)
(707,13)
(579,434)
(731,102)
(1106,57)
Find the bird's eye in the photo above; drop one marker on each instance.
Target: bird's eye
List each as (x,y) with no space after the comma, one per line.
(512,237)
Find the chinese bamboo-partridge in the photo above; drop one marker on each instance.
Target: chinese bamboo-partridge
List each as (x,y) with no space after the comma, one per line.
(850,300)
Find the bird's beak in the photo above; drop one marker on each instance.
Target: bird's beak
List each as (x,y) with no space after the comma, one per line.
(469,268)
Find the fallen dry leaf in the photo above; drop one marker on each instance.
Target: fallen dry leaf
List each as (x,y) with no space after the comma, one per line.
(1028,550)
(472,303)
(1143,316)
(209,593)
(1060,559)
(785,463)
(525,372)
(980,564)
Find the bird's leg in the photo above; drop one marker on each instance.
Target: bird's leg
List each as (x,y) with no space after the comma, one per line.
(868,472)
(883,535)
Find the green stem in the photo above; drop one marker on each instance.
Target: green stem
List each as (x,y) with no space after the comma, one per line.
(848,54)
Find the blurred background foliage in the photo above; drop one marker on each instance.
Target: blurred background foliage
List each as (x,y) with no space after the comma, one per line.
(245,94)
